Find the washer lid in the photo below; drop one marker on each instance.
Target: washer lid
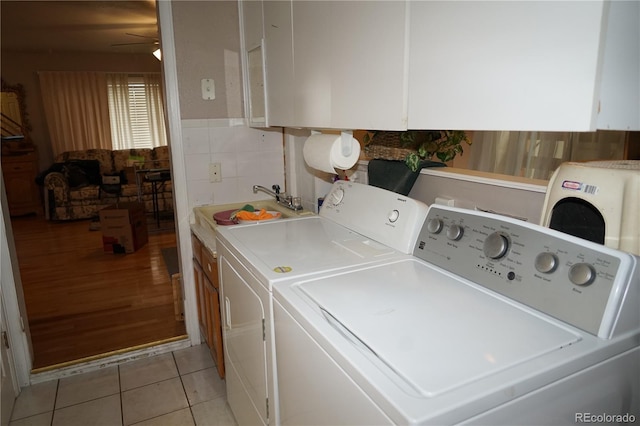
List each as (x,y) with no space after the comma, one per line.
(435,332)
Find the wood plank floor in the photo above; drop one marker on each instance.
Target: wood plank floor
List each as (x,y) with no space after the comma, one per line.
(83,302)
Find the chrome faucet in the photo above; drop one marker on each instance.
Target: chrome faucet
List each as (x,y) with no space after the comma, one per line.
(293,203)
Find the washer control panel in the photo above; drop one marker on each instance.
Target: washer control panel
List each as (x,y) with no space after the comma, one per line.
(574,280)
(384,216)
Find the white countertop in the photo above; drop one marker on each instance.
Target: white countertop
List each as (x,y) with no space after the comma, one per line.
(205,226)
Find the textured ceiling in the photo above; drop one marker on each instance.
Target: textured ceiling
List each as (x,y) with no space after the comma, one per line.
(73,26)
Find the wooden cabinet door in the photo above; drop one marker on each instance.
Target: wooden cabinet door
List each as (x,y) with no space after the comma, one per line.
(216,348)
(210,266)
(198,277)
(212,287)
(196,247)
(208,294)
(19,173)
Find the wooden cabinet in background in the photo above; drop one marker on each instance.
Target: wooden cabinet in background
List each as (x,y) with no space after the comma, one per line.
(19,170)
(205,273)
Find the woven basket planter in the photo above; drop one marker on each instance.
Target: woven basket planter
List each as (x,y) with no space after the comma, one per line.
(389,146)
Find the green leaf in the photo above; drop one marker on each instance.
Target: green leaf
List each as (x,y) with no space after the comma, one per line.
(412,161)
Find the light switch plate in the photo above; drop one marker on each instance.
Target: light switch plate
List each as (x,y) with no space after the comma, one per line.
(215,173)
(208,89)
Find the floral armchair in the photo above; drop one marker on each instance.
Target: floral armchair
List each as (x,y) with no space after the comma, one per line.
(75,186)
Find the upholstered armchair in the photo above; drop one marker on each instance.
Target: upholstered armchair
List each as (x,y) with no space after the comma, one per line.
(74,186)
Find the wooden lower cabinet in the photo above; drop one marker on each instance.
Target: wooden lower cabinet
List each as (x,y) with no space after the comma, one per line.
(205,273)
(20,170)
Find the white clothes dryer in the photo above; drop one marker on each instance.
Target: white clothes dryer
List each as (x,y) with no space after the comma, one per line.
(357,225)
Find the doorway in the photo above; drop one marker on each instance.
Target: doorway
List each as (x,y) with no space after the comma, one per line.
(51,262)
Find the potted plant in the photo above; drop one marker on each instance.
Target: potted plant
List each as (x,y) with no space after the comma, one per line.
(445,145)
(398,157)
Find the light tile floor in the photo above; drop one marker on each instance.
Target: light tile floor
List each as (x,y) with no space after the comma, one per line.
(174,389)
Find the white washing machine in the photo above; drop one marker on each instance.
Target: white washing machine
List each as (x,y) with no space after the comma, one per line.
(358,225)
(492,321)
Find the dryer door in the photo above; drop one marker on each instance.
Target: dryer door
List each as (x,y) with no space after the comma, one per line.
(244,343)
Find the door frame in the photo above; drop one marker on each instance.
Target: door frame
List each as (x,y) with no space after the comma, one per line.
(13,304)
(179,172)
(10,388)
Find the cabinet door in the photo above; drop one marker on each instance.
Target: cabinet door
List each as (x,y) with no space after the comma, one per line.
(196,248)
(504,65)
(216,330)
(278,55)
(252,27)
(19,172)
(619,107)
(349,64)
(210,266)
(244,342)
(198,277)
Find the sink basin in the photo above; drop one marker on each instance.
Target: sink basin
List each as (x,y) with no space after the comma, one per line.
(204,214)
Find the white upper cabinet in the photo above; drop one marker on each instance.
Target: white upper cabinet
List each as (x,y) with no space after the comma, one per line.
(468,65)
(252,23)
(620,89)
(278,32)
(504,65)
(349,64)
(252,28)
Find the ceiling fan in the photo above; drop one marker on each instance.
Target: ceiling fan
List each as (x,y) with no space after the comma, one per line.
(152,40)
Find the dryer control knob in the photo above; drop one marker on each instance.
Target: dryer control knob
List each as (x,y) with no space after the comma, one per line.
(546,262)
(434,226)
(496,246)
(455,232)
(336,196)
(582,274)
(393,215)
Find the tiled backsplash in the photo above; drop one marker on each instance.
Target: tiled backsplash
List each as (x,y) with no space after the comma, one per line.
(247,156)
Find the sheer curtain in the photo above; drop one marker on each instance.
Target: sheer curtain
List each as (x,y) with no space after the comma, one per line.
(537,154)
(119,110)
(76,108)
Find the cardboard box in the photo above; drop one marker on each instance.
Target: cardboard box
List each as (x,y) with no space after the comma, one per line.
(124,227)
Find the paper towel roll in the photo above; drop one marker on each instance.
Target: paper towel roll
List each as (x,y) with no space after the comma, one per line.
(324,152)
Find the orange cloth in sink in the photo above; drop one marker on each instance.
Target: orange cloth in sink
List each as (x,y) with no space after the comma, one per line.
(259,215)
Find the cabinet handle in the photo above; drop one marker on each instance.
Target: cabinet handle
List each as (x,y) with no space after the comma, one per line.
(227,308)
